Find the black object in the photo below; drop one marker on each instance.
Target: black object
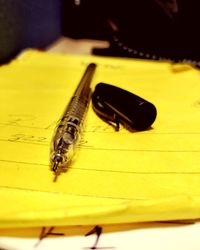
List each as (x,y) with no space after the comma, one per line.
(117,105)
(150,29)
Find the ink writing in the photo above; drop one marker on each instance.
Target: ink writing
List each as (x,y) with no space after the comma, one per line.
(97,230)
(20,120)
(45,232)
(28,138)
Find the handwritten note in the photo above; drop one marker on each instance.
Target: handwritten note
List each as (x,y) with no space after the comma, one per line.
(152,236)
(116,176)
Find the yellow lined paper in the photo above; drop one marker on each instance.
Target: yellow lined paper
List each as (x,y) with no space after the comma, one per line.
(116,176)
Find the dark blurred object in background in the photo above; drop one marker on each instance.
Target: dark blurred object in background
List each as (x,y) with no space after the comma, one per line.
(85,19)
(27,23)
(158,29)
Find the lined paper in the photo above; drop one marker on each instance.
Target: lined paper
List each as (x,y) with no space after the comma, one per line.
(116,176)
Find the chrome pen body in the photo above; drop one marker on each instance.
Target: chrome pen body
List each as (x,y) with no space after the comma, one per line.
(69,127)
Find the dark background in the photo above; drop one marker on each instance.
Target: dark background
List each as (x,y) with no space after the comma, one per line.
(140,25)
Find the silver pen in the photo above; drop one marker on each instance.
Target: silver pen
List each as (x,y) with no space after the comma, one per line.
(69,127)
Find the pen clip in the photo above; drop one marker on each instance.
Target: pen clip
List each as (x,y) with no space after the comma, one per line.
(104,111)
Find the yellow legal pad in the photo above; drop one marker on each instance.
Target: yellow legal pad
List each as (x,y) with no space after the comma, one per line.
(115,177)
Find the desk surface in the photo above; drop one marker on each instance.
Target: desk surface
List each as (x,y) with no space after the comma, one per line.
(72,46)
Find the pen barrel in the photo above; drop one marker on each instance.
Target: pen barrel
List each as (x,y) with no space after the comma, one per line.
(84,84)
(69,128)
(77,107)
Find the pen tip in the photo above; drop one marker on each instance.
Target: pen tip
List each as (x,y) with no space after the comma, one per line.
(56,171)
(55,166)
(58,167)
(55,176)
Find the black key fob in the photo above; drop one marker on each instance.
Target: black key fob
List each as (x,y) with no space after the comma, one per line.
(116,105)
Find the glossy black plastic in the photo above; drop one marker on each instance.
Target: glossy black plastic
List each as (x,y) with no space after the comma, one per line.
(120,106)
